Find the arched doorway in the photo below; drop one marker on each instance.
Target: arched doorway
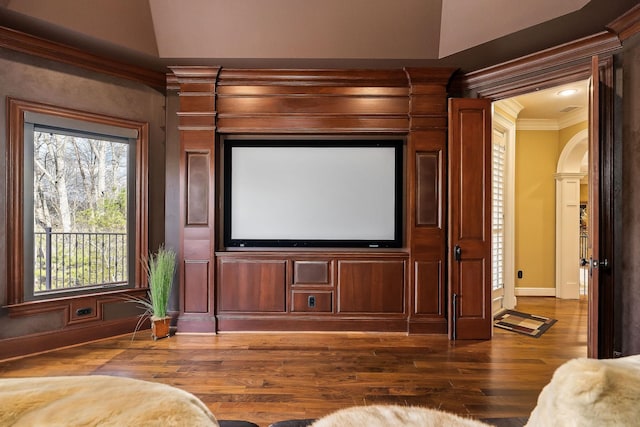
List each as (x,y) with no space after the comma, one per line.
(571,169)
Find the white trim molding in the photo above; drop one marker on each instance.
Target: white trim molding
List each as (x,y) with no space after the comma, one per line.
(570,119)
(538,124)
(508,127)
(511,107)
(536,292)
(568,179)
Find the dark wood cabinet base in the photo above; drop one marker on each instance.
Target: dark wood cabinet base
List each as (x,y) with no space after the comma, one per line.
(312,291)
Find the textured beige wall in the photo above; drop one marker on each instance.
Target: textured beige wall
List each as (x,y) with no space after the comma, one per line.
(98,19)
(28,78)
(628,294)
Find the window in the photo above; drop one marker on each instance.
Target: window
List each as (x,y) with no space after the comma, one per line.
(497,210)
(77,203)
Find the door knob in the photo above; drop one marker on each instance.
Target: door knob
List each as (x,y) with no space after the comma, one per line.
(457,253)
(600,264)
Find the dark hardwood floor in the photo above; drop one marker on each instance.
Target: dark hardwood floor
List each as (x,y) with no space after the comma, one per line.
(269,377)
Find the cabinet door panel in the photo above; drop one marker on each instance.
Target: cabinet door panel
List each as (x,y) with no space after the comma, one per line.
(371,286)
(252,286)
(429,288)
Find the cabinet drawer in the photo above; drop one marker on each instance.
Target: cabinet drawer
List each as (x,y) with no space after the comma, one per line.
(311,272)
(311,301)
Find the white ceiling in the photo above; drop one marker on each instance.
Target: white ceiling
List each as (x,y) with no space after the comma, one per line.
(469,34)
(355,29)
(554,109)
(468,23)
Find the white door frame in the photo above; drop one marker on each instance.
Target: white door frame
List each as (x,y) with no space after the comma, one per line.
(568,176)
(508,128)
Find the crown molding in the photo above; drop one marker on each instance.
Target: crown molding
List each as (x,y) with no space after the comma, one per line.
(626,25)
(553,124)
(565,63)
(25,43)
(573,118)
(511,107)
(537,124)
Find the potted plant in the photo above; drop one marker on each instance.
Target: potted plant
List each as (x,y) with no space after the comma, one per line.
(160,269)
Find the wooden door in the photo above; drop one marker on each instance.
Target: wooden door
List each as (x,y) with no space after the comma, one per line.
(594,208)
(469,180)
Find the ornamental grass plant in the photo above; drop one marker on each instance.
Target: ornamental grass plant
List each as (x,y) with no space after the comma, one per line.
(160,270)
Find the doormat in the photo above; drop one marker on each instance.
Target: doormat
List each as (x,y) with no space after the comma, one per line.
(523,323)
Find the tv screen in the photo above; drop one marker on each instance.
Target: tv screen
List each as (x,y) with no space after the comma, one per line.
(345,193)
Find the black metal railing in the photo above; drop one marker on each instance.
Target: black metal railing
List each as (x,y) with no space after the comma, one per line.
(65,260)
(584,245)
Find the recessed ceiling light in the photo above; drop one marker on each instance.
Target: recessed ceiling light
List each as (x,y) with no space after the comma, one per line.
(567,92)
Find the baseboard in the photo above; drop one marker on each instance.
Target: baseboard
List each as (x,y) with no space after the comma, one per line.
(535,292)
(52,340)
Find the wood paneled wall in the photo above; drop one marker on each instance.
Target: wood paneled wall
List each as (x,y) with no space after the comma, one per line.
(405,285)
(197,129)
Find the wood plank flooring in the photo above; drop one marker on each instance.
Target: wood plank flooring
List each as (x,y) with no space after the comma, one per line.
(269,377)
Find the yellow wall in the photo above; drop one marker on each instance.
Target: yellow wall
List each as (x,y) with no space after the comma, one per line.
(535,239)
(565,136)
(584,193)
(537,154)
(569,132)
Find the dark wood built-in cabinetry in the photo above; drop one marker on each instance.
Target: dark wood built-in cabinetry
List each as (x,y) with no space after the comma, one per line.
(311,291)
(366,289)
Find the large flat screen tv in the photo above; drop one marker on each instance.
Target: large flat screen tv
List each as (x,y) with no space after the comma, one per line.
(313,193)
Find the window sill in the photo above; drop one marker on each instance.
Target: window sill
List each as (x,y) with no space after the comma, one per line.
(79,308)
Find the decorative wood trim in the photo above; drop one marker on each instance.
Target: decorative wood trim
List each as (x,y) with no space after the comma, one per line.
(142,203)
(216,102)
(428,113)
(197,200)
(14,218)
(25,43)
(543,80)
(15,149)
(428,194)
(626,25)
(311,322)
(76,334)
(428,326)
(305,254)
(312,101)
(605,301)
(302,78)
(32,308)
(550,67)
(195,74)
(432,305)
(172,82)
(196,263)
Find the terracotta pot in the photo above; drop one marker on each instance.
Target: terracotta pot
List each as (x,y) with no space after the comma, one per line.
(160,327)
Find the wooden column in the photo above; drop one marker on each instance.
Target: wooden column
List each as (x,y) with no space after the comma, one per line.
(197,129)
(426,195)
